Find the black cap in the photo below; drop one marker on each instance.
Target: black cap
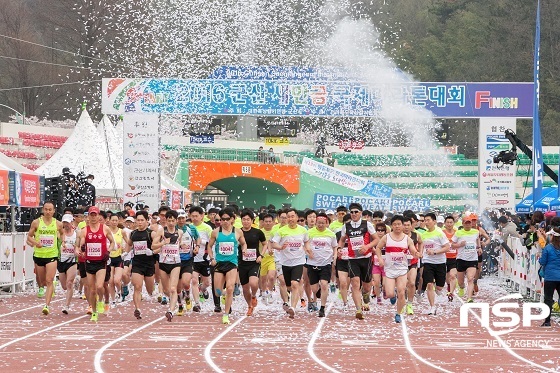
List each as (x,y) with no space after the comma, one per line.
(503,220)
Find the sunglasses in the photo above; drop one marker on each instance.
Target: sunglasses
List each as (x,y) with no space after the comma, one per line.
(381,230)
(301,220)
(354,211)
(218,220)
(225,219)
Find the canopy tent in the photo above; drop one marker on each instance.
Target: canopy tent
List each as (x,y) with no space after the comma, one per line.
(525,206)
(20,186)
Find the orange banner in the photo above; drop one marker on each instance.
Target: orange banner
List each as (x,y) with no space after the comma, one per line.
(203,173)
(4,188)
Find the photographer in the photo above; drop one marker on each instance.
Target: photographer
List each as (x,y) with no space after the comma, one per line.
(550,265)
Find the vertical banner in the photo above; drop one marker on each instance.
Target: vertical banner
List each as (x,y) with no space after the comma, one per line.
(28,190)
(4,188)
(176,199)
(537,140)
(496,182)
(6,258)
(141,160)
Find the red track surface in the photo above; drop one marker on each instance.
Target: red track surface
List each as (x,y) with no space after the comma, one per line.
(267,341)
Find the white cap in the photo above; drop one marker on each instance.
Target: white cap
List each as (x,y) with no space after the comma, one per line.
(330,212)
(130,219)
(440,219)
(182,215)
(68,218)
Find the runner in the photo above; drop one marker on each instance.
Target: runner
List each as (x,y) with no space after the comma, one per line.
(249,260)
(190,245)
(484,240)
(361,237)
(201,265)
(342,267)
(412,263)
(67,265)
(292,241)
(116,263)
(397,244)
(170,261)
(227,239)
(467,242)
(268,266)
(159,227)
(278,258)
(320,266)
(435,247)
(451,257)
(337,224)
(98,241)
(129,226)
(43,236)
(142,241)
(378,271)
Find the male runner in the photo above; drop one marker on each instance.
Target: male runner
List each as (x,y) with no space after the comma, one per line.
(170,260)
(467,242)
(249,261)
(201,265)
(413,263)
(268,266)
(67,265)
(190,245)
(451,257)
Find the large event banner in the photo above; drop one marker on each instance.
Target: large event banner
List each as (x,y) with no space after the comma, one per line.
(141,160)
(319,98)
(332,201)
(345,179)
(496,182)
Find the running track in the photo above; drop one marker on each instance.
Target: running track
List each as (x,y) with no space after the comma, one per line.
(267,341)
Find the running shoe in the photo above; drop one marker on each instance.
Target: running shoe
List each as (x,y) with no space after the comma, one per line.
(418,296)
(433,311)
(449,296)
(188,304)
(270,298)
(285,307)
(169,316)
(223,299)
(250,311)
(181,310)
(217,309)
(365,307)
(46,310)
(159,298)
(137,314)
(164,300)
(470,300)
(398,319)
(310,307)
(65,311)
(125,291)
(196,308)
(114,304)
(291,312)
(333,287)
(89,311)
(41,293)
(83,297)
(321,312)
(365,298)
(107,307)
(409,309)
(556,307)
(546,324)
(461,292)
(225,319)
(93,317)
(303,303)
(314,305)
(100,307)
(236,290)
(205,294)
(254,302)
(475,287)
(359,315)
(393,300)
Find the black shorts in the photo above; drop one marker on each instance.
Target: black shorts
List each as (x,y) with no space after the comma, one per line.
(292,274)
(462,265)
(92,267)
(224,267)
(117,262)
(126,263)
(63,267)
(450,264)
(360,268)
(167,268)
(247,270)
(203,268)
(341,265)
(41,262)
(186,267)
(434,272)
(316,274)
(82,269)
(107,273)
(480,258)
(143,268)
(414,266)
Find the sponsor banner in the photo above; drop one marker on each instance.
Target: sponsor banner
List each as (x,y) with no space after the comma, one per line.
(4,188)
(276,141)
(351,144)
(345,179)
(319,98)
(6,259)
(202,139)
(176,200)
(141,160)
(496,182)
(28,190)
(332,201)
(414,204)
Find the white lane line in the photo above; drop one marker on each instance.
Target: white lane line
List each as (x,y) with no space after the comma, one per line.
(413,353)
(208,349)
(99,353)
(506,347)
(314,338)
(40,331)
(28,308)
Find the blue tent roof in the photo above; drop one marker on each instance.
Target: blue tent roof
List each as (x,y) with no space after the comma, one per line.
(548,194)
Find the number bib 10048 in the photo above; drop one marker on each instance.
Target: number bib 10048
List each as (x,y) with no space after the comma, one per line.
(225,248)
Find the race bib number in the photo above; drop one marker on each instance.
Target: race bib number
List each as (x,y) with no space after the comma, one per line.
(357,242)
(46,240)
(429,245)
(68,249)
(170,254)
(452,250)
(344,253)
(395,258)
(294,246)
(93,249)
(140,247)
(250,255)
(470,247)
(225,248)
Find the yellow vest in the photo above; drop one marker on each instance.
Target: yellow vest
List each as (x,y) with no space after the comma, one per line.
(47,236)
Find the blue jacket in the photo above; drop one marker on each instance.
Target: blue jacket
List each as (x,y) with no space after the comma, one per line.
(550,259)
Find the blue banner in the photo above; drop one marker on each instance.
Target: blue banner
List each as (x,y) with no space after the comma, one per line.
(324,201)
(414,204)
(537,140)
(318,98)
(202,139)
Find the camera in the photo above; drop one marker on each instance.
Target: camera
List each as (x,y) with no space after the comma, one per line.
(505,157)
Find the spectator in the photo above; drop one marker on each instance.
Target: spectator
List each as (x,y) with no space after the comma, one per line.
(507,228)
(271,156)
(260,155)
(550,263)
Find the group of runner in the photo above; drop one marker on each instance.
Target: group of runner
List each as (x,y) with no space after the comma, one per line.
(185,257)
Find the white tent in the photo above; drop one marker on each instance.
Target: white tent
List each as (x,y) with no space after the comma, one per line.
(85,150)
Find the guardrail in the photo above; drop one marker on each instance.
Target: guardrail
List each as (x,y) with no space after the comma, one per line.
(17,270)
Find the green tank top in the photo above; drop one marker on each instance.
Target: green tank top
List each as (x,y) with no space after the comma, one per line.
(47,236)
